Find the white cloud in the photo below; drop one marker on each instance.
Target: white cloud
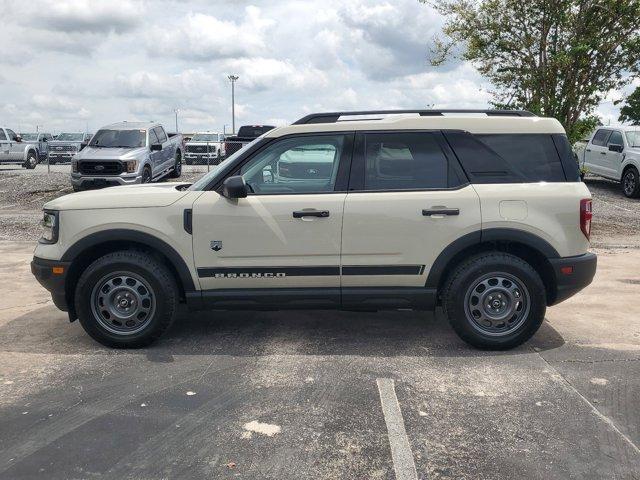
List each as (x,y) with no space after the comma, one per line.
(86,15)
(204,37)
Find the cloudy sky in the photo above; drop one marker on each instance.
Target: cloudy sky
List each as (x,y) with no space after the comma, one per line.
(69,64)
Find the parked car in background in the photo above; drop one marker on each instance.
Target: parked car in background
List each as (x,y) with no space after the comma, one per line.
(16,151)
(613,153)
(41,140)
(127,153)
(204,147)
(246,134)
(66,145)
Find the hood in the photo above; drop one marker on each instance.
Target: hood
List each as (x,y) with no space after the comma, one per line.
(101,153)
(125,196)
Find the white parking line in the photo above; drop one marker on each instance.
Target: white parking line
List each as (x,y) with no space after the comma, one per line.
(403,463)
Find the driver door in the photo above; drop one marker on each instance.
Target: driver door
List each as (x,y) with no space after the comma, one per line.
(286,233)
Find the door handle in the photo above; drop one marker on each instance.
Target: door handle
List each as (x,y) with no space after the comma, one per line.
(588,149)
(603,153)
(428,212)
(311,213)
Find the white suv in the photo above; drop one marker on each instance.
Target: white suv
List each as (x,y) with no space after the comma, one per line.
(481,212)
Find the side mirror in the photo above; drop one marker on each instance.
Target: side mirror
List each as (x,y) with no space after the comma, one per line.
(156,147)
(614,147)
(235,187)
(18,138)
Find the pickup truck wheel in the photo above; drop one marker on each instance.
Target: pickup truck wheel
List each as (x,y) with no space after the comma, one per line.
(126,299)
(146,175)
(631,183)
(31,162)
(494,301)
(177,166)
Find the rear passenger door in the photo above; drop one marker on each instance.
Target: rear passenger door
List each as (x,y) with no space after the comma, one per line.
(613,158)
(596,152)
(408,200)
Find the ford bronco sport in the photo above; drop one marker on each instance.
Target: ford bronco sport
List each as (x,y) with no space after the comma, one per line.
(480,212)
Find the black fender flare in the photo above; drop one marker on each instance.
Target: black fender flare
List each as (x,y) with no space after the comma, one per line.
(481,236)
(136,236)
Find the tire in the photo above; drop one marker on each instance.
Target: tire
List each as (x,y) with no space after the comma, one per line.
(631,183)
(188,161)
(101,299)
(31,161)
(509,286)
(177,166)
(77,189)
(146,175)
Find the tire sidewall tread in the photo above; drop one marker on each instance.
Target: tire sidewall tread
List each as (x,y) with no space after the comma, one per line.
(454,291)
(153,271)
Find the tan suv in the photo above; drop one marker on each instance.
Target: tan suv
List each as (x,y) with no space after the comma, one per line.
(481,212)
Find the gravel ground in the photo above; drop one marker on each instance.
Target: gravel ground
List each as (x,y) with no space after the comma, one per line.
(22,194)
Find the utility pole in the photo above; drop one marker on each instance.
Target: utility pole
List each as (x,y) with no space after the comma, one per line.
(176,110)
(232,79)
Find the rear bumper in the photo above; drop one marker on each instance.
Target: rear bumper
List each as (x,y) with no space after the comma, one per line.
(42,269)
(572,274)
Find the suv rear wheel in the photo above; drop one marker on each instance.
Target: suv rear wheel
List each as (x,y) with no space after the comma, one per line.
(31,161)
(177,166)
(126,299)
(631,183)
(494,301)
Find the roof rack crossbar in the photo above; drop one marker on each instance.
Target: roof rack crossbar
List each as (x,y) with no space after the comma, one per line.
(333,117)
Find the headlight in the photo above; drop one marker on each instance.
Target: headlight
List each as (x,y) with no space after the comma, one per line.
(131,166)
(74,166)
(50,227)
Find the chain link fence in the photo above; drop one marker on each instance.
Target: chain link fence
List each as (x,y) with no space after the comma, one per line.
(210,154)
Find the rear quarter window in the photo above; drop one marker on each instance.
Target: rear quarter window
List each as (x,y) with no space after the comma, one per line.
(534,156)
(509,158)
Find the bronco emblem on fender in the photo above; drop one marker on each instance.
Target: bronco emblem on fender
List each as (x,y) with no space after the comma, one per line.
(216,245)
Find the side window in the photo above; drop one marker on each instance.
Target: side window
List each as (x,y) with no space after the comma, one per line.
(600,138)
(12,135)
(615,138)
(2,135)
(295,165)
(162,137)
(404,161)
(153,138)
(534,156)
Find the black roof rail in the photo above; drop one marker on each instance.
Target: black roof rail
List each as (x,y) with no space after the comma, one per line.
(332,117)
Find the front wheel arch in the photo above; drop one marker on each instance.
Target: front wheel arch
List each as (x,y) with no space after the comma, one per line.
(85,251)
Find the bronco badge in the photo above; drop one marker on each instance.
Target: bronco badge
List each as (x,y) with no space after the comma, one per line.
(216,245)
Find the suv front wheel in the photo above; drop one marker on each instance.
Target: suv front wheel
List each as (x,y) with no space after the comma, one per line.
(494,300)
(126,299)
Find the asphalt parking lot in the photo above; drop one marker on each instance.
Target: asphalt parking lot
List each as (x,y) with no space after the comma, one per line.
(326,394)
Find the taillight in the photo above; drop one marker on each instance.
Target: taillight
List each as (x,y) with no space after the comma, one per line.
(585,217)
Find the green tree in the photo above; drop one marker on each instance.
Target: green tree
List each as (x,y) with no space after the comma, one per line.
(630,111)
(555,58)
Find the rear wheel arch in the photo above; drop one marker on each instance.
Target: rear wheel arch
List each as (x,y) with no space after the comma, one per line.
(90,248)
(527,246)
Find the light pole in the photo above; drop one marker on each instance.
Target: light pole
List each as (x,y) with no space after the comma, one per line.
(233,79)
(176,110)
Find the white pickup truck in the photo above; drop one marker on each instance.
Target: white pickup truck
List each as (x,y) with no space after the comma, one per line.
(613,153)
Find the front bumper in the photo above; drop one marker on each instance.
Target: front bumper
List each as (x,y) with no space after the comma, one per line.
(87,182)
(572,274)
(43,270)
(203,158)
(61,157)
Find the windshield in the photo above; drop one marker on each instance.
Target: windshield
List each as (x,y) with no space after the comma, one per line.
(29,136)
(119,139)
(633,138)
(205,137)
(70,137)
(206,179)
